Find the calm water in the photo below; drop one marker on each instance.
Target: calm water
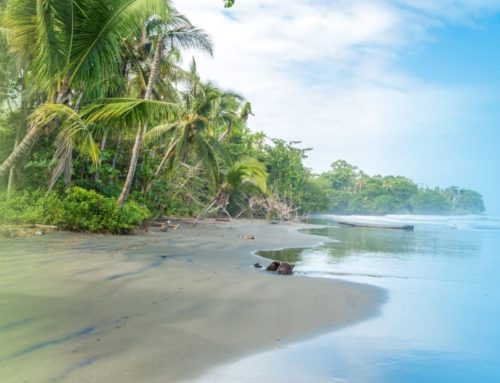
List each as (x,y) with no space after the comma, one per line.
(441,322)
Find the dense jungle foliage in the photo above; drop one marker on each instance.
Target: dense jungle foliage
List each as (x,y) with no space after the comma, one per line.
(105,123)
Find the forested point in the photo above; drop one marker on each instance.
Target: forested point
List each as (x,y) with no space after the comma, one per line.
(352,191)
(105,123)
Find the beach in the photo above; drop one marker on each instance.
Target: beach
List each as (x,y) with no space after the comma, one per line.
(159,307)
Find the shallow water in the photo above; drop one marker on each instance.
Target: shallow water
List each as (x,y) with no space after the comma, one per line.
(440,324)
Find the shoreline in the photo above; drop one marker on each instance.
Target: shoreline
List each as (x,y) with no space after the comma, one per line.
(161,306)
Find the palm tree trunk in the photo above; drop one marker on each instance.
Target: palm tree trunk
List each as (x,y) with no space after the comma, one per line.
(101,148)
(20,150)
(155,70)
(160,166)
(11,180)
(115,157)
(29,139)
(12,172)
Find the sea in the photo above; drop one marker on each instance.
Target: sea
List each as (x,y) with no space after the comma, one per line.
(440,322)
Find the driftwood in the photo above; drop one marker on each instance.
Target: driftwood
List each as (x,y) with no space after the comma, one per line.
(272,208)
(171,219)
(283,268)
(52,227)
(155,223)
(377,225)
(168,225)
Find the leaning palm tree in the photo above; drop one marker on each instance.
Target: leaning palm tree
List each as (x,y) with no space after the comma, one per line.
(72,49)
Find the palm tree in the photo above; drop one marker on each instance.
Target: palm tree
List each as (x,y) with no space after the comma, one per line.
(243,179)
(193,131)
(72,49)
(172,33)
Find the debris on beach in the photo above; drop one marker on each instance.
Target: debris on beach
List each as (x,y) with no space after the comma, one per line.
(168,225)
(25,231)
(247,237)
(257,265)
(283,268)
(273,266)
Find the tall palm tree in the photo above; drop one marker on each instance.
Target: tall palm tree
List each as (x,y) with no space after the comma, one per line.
(175,32)
(72,49)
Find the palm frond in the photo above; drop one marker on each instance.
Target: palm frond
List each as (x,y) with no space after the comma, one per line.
(129,112)
(181,33)
(5,33)
(159,131)
(247,172)
(98,41)
(73,132)
(207,154)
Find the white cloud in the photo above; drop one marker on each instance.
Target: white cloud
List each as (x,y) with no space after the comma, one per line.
(323,71)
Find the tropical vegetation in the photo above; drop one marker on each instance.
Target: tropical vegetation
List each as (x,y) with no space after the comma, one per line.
(351,191)
(105,123)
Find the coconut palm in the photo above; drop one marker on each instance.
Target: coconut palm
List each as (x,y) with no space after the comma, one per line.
(73,50)
(173,33)
(192,131)
(200,137)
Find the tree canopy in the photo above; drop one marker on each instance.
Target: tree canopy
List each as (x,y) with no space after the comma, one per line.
(352,191)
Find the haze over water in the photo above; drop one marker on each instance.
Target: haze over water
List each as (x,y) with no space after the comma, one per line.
(440,321)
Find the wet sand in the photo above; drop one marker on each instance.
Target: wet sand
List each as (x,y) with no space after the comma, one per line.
(158,307)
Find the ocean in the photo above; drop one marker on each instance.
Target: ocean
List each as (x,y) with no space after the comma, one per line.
(439,324)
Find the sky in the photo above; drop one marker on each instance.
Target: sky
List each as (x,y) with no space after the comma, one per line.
(401,87)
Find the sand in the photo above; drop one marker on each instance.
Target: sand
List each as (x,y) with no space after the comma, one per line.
(158,307)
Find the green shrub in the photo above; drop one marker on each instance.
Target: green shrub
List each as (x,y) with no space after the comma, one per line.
(20,208)
(77,210)
(87,210)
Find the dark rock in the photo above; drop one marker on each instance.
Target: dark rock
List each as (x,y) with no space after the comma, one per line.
(273,266)
(257,265)
(285,268)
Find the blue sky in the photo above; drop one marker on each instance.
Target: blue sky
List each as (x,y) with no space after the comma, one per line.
(408,87)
